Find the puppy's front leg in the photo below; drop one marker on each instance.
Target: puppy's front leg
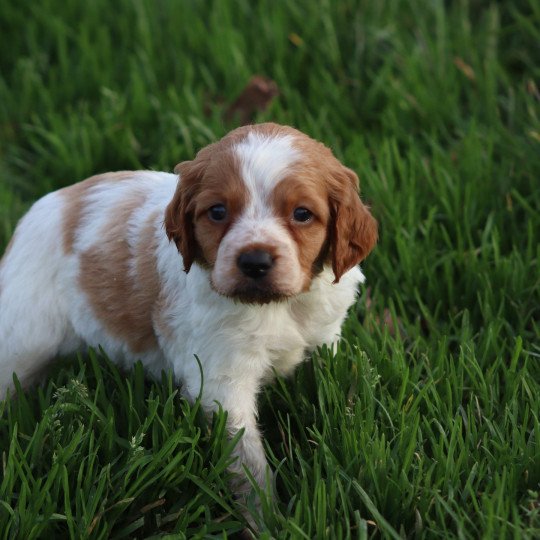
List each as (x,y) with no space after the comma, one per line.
(240,401)
(249,453)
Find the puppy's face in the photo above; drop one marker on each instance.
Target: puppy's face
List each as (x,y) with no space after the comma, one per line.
(264,209)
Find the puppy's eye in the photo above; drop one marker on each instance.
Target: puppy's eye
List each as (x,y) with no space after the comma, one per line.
(218,212)
(303,215)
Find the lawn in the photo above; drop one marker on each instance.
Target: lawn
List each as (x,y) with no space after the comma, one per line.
(425,423)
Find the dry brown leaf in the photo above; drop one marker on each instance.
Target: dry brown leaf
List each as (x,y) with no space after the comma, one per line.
(256,96)
(467,70)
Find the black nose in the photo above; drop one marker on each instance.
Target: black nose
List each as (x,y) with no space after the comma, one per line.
(255,264)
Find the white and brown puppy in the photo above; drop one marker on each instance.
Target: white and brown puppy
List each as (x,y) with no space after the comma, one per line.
(270,229)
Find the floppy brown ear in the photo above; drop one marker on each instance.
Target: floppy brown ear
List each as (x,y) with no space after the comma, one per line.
(354,229)
(179,212)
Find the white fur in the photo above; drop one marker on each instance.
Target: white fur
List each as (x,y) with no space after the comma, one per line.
(261,169)
(44,311)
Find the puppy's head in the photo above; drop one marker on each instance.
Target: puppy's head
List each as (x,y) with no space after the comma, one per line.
(264,209)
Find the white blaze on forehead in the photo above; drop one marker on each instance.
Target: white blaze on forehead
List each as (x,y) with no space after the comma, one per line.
(264,162)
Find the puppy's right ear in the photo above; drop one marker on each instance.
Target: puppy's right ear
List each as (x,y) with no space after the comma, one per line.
(179,212)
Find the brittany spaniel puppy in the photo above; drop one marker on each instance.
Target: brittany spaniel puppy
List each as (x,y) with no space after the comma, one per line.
(270,230)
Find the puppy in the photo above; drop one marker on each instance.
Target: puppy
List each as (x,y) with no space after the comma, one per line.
(270,230)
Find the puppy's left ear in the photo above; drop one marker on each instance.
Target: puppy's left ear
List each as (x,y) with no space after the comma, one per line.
(353,228)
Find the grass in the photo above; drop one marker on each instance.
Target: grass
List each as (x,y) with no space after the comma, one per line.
(431,431)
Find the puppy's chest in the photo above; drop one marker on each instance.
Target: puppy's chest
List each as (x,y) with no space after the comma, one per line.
(298,332)
(276,331)
(225,333)
(272,333)
(283,345)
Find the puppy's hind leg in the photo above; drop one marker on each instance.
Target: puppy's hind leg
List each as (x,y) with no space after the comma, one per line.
(33,320)
(27,343)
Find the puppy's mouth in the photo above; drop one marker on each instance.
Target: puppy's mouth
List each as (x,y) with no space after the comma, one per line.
(257,294)
(254,291)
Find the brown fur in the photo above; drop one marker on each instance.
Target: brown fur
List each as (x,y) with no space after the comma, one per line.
(124,302)
(222,184)
(75,196)
(352,230)
(196,237)
(301,190)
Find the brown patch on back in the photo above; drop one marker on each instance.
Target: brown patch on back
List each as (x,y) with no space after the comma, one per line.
(75,196)
(121,281)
